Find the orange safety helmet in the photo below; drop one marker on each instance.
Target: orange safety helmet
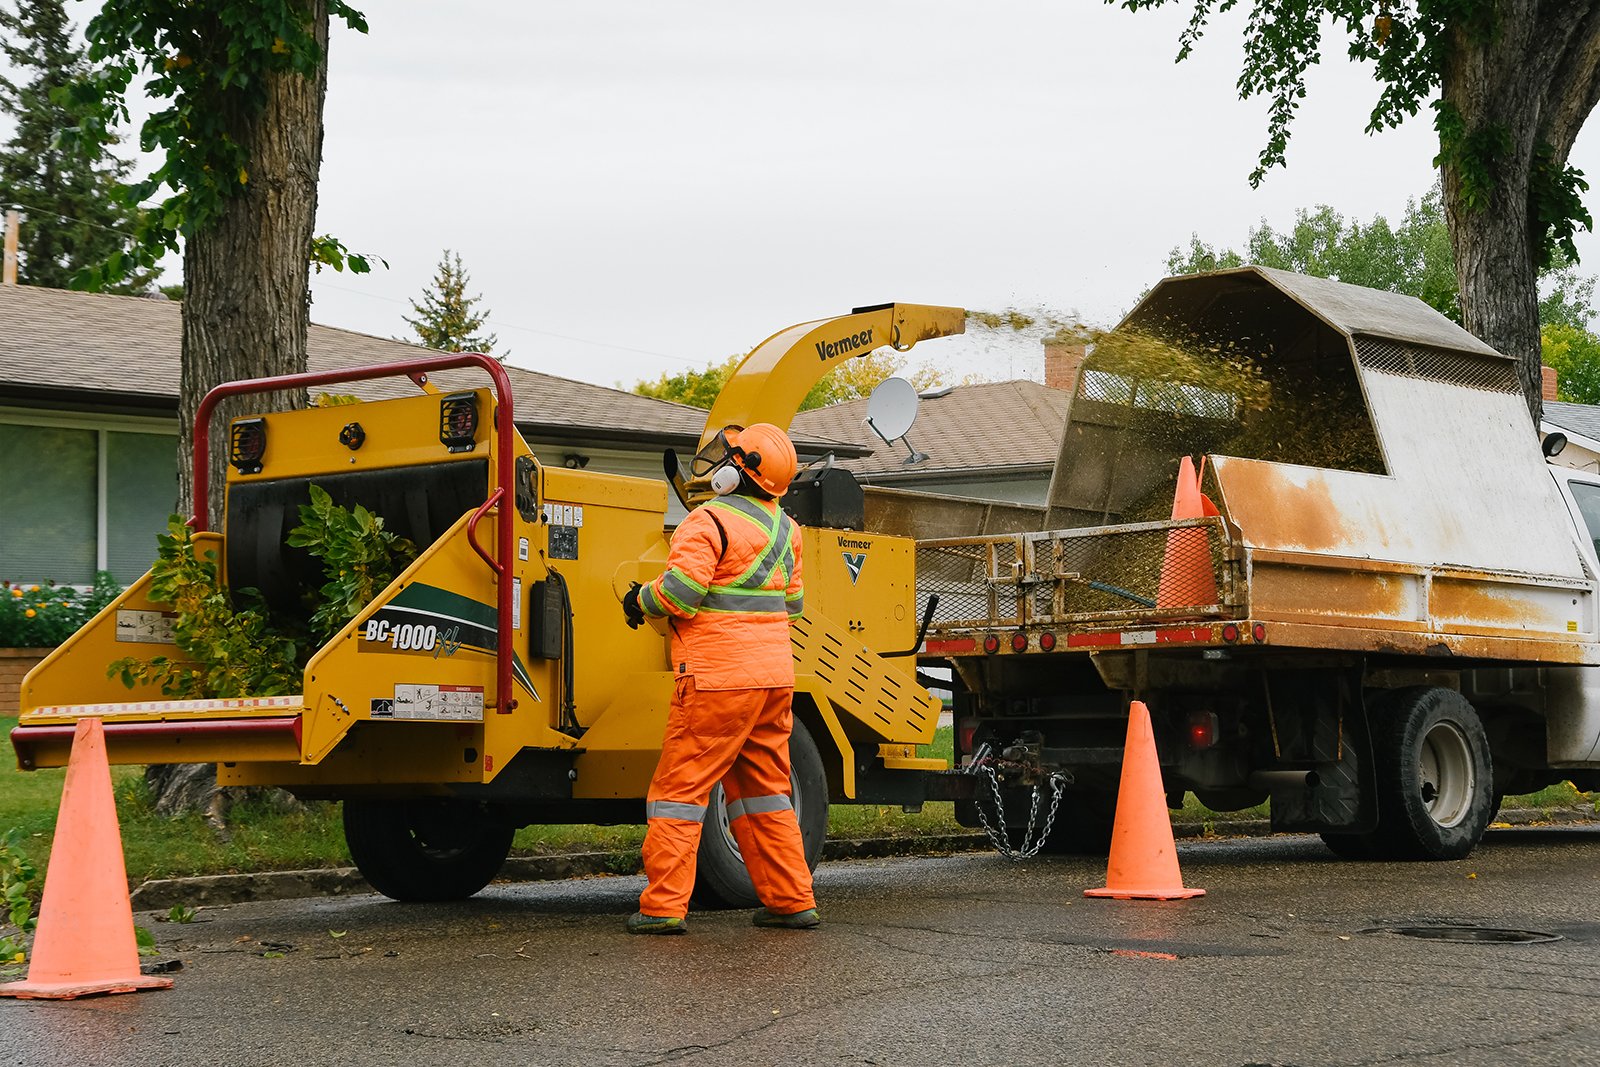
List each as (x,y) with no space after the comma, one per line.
(766,454)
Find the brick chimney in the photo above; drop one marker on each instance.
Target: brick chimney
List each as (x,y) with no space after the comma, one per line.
(1062,363)
(1547,388)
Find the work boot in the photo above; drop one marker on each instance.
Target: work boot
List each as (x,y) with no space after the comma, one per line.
(640,923)
(799,920)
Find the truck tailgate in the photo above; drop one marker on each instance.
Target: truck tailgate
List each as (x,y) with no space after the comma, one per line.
(1090,579)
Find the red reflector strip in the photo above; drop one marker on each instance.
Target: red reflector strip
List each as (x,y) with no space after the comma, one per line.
(185,728)
(953,644)
(1142,637)
(1197,633)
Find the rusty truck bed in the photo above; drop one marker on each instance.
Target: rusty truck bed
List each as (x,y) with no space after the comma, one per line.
(1198,582)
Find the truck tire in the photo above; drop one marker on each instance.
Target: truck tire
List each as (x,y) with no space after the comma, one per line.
(1352,846)
(425,849)
(1435,777)
(720,878)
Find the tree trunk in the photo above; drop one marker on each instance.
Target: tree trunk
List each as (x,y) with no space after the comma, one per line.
(246,303)
(1534,76)
(247,295)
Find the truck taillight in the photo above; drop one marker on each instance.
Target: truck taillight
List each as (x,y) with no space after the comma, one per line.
(247,443)
(1230,632)
(1047,642)
(969,733)
(991,643)
(458,421)
(1019,642)
(1259,632)
(1202,729)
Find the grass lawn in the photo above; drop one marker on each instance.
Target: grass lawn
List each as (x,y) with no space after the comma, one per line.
(264,839)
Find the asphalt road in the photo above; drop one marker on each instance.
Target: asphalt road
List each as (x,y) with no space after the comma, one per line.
(1290,959)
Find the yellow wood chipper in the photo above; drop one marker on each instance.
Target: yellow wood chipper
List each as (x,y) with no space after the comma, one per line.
(494,683)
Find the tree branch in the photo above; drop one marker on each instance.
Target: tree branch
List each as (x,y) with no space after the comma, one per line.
(1573,87)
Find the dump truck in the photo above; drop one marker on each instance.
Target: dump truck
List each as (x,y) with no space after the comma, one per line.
(494,683)
(1373,603)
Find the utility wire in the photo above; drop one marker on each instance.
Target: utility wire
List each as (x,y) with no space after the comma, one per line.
(70,218)
(501,324)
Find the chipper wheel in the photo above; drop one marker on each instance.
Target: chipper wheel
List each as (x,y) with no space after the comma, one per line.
(720,879)
(425,849)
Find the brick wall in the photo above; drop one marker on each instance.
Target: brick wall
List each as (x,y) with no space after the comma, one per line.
(1061,365)
(1549,383)
(15,663)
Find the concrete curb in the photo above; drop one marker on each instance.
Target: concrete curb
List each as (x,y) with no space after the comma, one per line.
(213,890)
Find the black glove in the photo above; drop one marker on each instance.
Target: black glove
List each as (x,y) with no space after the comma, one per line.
(631,608)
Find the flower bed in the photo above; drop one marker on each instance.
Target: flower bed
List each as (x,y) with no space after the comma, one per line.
(35,617)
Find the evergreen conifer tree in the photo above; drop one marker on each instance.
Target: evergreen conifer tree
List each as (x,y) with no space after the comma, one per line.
(445,317)
(66,187)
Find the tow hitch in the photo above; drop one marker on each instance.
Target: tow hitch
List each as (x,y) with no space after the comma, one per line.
(1018,765)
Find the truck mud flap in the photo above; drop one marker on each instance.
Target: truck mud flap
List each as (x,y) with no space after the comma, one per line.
(1324,778)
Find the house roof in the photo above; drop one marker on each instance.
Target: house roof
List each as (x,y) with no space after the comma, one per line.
(60,345)
(1580,419)
(997,427)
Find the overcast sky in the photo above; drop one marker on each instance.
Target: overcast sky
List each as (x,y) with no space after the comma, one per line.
(644,186)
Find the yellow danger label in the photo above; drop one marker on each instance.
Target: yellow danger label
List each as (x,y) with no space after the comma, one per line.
(1572,626)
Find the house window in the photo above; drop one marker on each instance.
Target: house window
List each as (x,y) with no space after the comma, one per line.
(79,495)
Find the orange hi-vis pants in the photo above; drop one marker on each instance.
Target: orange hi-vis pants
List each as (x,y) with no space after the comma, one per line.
(739,737)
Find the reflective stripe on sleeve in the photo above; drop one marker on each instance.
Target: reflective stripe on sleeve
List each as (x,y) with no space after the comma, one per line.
(796,604)
(744,601)
(758,806)
(682,590)
(649,603)
(672,809)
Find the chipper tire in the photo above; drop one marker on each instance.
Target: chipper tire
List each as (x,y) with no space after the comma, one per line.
(419,850)
(720,879)
(1435,776)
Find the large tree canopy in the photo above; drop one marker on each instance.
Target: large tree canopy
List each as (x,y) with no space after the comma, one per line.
(1412,256)
(1510,82)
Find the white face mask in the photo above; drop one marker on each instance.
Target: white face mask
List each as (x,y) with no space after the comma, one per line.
(725,479)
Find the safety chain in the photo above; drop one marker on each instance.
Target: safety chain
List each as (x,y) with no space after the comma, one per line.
(1001,837)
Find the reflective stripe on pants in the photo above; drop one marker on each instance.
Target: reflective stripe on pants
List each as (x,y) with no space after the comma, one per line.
(738,809)
(741,738)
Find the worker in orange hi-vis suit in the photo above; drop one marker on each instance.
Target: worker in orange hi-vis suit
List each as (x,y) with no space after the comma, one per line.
(731,587)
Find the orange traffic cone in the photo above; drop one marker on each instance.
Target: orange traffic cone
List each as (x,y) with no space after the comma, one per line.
(1187,578)
(85,941)
(1144,858)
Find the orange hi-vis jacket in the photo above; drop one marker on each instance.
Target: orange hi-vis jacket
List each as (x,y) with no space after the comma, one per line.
(731,586)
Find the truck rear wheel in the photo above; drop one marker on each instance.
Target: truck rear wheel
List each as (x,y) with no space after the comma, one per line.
(425,849)
(1435,778)
(720,879)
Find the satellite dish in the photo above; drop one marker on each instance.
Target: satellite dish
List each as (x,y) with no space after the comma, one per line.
(892,408)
